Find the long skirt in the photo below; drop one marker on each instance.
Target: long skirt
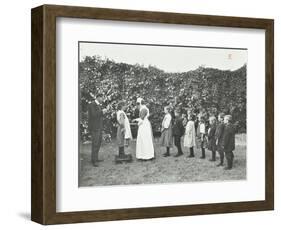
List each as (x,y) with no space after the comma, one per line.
(166,139)
(120,136)
(144,148)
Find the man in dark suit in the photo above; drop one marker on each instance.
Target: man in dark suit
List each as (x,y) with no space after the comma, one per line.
(95,124)
(229,141)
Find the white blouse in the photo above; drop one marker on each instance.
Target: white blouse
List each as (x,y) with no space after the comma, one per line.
(166,121)
(202,128)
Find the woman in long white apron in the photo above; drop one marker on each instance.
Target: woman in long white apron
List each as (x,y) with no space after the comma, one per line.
(144,148)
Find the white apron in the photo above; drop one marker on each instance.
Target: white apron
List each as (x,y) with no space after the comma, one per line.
(189,140)
(128,133)
(144,148)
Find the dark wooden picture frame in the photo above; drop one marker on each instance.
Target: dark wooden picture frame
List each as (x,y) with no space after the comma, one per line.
(43,170)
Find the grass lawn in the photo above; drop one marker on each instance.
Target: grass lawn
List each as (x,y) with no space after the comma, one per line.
(161,170)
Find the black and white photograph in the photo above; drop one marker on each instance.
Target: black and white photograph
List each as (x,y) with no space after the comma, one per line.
(157,113)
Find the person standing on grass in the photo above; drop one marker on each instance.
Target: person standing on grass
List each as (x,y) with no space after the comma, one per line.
(123,129)
(190,135)
(166,139)
(144,146)
(201,136)
(229,141)
(178,131)
(212,138)
(95,125)
(219,138)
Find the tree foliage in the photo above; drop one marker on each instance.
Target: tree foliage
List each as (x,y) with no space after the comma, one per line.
(204,90)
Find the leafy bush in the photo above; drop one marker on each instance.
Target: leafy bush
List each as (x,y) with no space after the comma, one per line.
(204,90)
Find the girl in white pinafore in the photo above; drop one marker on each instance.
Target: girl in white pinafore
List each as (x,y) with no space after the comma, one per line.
(189,140)
(124,134)
(144,148)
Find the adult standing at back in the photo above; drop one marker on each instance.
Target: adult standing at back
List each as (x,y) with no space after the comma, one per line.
(95,125)
(144,145)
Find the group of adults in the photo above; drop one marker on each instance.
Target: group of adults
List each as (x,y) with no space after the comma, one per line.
(144,143)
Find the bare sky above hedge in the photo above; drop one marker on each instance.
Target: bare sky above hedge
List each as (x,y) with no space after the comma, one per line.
(167,58)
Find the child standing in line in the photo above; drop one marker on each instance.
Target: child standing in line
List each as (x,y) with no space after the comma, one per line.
(201,136)
(229,141)
(178,131)
(212,138)
(219,138)
(190,135)
(123,129)
(166,139)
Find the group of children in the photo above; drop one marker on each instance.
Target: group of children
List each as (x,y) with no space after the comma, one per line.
(217,136)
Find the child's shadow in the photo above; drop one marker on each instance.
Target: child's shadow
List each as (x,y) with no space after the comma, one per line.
(24,215)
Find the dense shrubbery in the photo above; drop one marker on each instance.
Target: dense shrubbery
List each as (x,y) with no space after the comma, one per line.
(204,90)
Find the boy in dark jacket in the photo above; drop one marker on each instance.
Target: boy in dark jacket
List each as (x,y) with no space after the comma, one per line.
(219,138)
(229,141)
(211,137)
(178,131)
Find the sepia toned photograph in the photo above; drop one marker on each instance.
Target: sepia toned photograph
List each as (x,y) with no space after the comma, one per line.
(151,114)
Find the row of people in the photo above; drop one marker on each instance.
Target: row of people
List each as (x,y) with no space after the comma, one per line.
(220,136)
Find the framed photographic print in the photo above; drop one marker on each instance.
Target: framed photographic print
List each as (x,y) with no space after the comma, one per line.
(140,114)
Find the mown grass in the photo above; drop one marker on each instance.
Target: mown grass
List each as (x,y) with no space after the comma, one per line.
(160,170)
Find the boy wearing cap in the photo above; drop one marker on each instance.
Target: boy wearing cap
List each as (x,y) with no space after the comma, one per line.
(229,141)
(219,137)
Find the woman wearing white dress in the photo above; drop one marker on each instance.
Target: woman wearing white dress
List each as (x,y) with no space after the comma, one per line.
(190,135)
(144,147)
